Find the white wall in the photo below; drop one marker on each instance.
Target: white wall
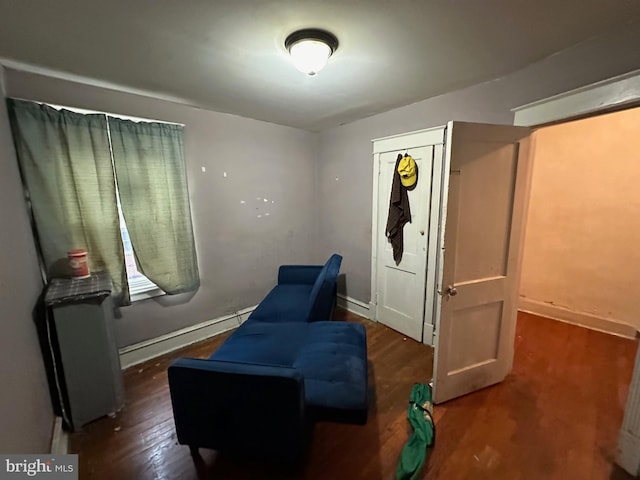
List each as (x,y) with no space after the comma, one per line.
(27,417)
(345,151)
(581,253)
(238,251)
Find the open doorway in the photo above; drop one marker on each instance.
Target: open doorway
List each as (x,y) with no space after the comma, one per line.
(580,263)
(581,256)
(559,414)
(615,94)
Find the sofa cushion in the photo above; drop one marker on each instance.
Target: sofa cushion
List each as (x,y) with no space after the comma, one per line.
(309,301)
(315,291)
(333,362)
(322,296)
(331,356)
(264,343)
(284,303)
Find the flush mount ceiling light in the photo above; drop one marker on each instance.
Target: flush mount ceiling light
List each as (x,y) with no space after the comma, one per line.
(310,49)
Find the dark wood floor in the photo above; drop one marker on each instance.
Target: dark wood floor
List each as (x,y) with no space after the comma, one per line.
(556,416)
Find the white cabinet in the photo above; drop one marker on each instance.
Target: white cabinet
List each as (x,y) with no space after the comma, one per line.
(87,365)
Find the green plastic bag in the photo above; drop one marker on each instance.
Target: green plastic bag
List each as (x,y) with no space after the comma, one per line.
(414,452)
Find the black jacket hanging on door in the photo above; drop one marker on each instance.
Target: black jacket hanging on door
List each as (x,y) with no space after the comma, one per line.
(399,214)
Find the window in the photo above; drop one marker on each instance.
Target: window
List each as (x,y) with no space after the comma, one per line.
(85,173)
(140,287)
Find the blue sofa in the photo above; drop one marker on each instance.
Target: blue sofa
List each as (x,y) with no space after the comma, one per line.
(281,370)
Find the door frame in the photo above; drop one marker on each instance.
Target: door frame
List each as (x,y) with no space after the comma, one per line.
(420,138)
(616,93)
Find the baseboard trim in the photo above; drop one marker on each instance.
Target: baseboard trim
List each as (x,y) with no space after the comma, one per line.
(629,453)
(427,334)
(587,320)
(353,305)
(143,351)
(59,438)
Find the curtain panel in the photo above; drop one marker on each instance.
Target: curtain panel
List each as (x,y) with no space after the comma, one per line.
(154,197)
(66,166)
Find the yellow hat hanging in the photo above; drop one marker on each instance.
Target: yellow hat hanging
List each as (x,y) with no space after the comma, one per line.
(408,171)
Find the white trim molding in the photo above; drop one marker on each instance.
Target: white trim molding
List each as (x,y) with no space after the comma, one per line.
(587,320)
(629,438)
(59,438)
(428,332)
(402,141)
(91,81)
(615,92)
(143,351)
(354,306)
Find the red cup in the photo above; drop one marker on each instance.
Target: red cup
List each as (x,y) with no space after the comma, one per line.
(79,263)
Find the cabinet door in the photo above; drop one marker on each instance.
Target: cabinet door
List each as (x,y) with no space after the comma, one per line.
(488,181)
(88,354)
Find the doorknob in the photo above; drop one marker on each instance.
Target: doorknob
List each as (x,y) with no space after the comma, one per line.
(452,291)
(422,232)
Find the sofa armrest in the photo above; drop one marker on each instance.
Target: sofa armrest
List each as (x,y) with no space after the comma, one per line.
(299,274)
(238,407)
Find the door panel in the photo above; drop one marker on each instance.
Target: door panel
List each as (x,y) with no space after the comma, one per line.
(483,240)
(480,350)
(401,288)
(476,306)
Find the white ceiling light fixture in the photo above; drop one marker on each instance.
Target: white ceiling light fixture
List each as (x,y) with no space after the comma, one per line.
(310,49)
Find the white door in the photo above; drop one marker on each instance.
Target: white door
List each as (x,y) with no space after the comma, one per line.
(401,288)
(488,179)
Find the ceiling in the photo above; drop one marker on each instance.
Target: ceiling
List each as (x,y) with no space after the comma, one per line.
(228,55)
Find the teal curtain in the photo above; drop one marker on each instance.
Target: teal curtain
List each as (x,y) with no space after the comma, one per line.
(152,184)
(66,166)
